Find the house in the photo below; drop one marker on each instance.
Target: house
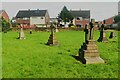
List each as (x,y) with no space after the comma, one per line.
(32,18)
(4,15)
(53,20)
(115,26)
(80,17)
(109,21)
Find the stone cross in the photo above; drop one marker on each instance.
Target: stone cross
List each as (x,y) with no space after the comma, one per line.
(21,34)
(56,29)
(86,33)
(101,31)
(52,28)
(91,31)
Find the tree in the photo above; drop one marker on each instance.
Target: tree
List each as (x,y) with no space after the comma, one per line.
(5,25)
(117,18)
(65,15)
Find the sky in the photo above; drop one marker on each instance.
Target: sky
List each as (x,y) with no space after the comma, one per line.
(60,0)
(98,10)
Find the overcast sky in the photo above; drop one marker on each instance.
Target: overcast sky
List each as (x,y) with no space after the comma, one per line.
(99,10)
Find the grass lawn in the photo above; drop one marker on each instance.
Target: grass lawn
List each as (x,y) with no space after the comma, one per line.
(31,58)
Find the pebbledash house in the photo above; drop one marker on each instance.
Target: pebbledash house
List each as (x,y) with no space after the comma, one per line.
(81,17)
(32,18)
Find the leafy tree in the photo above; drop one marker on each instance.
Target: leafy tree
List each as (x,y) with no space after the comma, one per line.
(65,15)
(117,18)
(5,25)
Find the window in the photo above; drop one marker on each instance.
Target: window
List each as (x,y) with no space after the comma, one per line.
(25,18)
(18,18)
(78,18)
(13,21)
(41,17)
(86,18)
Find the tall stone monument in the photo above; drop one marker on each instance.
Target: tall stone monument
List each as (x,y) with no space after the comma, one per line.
(56,28)
(102,37)
(86,33)
(88,53)
(21,34)
(52,40)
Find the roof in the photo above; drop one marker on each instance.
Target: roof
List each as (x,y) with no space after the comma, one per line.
(29,13)
(80,13)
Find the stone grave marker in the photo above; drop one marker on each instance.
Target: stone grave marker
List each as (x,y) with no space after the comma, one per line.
(30,31)
(52,40)
(102,37)
(88,53)
(86,33)
(21,34)
(56,29)
(112,35)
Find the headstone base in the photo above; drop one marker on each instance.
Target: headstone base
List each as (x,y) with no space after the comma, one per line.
(104,39)
(93,60)
(89,53)
(52,40)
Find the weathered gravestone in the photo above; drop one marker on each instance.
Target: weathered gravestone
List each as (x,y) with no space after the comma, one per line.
(102,37)
(30,31)
(52,40)
(21,34)
(112,35)
(86,33)
(56,29)
(88,53)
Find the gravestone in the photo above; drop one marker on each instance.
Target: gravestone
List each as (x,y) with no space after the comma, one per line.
(102,37)
(21,34)
(112,35)
(52,40)
(56,29)
(30,31)
(86,33)
(88,53)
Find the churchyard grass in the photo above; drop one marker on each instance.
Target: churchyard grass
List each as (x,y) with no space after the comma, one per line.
(31,58)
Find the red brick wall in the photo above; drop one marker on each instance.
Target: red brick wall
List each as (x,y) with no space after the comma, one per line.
(5,16)
(25,23)
(109,21)
(21,21)
(83,22)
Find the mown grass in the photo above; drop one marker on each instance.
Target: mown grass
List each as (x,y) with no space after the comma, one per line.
(0,55)
(31,58)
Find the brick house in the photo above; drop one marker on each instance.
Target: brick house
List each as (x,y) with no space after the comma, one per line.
(4,15)
(32,18)
(81,17)
(109,21)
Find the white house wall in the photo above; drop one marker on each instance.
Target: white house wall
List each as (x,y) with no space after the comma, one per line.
(37,20)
